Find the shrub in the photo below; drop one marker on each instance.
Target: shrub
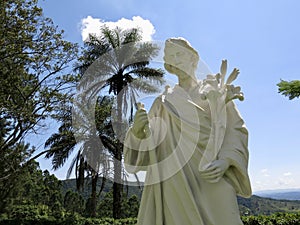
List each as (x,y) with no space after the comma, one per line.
(75,219)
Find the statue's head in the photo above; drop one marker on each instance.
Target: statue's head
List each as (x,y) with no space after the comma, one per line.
(180,57)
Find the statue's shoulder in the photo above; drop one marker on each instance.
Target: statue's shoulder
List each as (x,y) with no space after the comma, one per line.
(160,99)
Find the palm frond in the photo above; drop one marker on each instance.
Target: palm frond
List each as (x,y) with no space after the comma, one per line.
(110,36)
(73,164)
(148,73)
(131,35)
(61,146)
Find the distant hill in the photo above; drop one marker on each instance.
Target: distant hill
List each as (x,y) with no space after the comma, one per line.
(255,205)
(289,194)
(70,184)
(260,205)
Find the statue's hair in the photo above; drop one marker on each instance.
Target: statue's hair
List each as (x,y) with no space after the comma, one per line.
(179,41)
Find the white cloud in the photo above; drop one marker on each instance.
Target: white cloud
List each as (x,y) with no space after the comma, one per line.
(271,179)
(92,25)
(265,172)
(286,182)
(287,174)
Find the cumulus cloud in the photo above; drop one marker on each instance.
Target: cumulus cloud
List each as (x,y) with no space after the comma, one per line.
(92,25)
(286,181)
(267,179)
(287,174)
(265,172)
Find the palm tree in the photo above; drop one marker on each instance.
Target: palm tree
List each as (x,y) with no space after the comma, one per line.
(118,62)
(92,158)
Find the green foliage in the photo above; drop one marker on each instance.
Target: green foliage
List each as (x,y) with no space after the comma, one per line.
(257,205)
(33,57)
(125,71)
(29,211)
(34,193)
(275,219)
(70,184)
(70,221)
(105,207)
(11,163)
(290,89)
(73,202)
(92,157)
(129,206)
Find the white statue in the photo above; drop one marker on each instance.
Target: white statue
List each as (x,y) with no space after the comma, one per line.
(193,146)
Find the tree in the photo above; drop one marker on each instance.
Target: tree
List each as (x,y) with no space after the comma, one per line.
(130,206)
(73,202)
(12,188)
(33,187)
(290,89)
(33,61)
(52,189)
(92,157)
(119,62)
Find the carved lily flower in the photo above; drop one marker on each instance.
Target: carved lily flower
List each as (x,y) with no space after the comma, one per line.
(218,93)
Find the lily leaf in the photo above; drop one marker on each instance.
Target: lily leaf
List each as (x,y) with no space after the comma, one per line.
(233,76)
(224,67)
(223,71)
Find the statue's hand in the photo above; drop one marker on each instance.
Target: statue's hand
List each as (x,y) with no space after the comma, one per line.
(140,123)
(215,171)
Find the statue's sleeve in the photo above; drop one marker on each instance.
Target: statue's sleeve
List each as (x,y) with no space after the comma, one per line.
(137,150)
(235,150)
(136,154)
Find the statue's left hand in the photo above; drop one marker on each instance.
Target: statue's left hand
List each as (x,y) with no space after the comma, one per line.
(215,171)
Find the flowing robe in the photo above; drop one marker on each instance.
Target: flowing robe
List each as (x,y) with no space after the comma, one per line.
(174,193)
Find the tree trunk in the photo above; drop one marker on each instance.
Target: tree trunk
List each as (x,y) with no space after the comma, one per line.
(118,184)
(94,195)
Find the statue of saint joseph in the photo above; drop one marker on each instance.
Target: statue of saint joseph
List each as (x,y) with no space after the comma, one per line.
(192,145)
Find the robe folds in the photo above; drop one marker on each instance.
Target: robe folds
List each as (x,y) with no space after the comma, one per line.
(170,153)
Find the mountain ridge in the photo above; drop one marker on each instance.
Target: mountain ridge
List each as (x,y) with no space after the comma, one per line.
(283,194)
(255,205)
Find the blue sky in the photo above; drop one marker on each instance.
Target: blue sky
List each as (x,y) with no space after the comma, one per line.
(261,38)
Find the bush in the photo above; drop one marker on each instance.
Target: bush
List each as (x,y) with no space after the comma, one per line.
(275,219)
(75,219)
(30,212)
(69,221)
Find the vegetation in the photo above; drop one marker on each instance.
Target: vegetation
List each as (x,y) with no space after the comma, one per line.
(42,199)
(41,196)
(117,60)
(92,157)
(37,86)
(33,62)
(290,89)
(70,184)
(267,206)
(275,219)
(33,57)
(248,206)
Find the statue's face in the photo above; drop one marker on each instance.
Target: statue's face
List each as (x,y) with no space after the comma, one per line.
(178,60)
